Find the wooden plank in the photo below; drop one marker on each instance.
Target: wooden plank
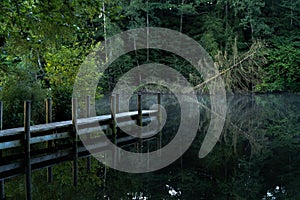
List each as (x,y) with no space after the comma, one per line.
(11,144)
(36,160)
(95,146)
(56,136)
(33,140)
(51,158)
(146,135)
(83,131)
(37,128)
(10,166)
(42,161)
(96,128)
(125,139)
(45,138)
(12,131)
(68,124)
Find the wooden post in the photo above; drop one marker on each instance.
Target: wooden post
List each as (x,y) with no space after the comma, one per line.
(113,125)
(88,106)
(27,115)
(148,155)
(75,147)
(2,191)
(48,110)
(49,143)
(2,195)
(159,136)
(113,115)
(139,107)
(117,103)
(88,114)
(158,103)
(1,115)
(139,121)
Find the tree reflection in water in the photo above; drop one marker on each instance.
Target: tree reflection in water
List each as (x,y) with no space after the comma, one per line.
(257,156)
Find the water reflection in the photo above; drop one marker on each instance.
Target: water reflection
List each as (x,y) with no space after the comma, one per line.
(256,157)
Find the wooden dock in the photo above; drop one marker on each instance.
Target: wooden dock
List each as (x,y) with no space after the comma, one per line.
(29,148)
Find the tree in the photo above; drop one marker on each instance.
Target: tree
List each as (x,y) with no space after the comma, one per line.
(48,40)
(282,72)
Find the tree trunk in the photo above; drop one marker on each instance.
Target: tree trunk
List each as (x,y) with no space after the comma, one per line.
(181,17)
(147,30)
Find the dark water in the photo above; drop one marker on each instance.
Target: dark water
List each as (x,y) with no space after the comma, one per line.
(256,157)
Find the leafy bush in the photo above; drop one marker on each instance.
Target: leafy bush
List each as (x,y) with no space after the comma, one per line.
(282,73)
(62,105)
(14,93)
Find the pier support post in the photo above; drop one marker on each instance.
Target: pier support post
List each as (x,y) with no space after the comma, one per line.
(113,115)
(27,115)
(48,106)
(139,120)
(75,142)
(159,135)
(113,126)
(139,107)
(117,103)
(158,103)
(1,115)
(88,114)
(2,191)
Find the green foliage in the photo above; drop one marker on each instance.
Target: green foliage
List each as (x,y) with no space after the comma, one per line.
(43,43)
(51,39)
(282,71)
(14,93)
(250,13)
(62,66)
(62,107)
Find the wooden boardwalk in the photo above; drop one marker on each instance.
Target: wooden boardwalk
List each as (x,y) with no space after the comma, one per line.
(29,148)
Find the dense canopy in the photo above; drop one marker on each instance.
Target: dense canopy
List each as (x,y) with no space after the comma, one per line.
(42,43)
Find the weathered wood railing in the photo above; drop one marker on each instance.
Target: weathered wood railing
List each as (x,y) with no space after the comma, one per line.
(29,148)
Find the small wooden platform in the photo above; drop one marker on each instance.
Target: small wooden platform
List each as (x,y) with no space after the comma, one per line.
(29,148)
(10,138)
(62,134)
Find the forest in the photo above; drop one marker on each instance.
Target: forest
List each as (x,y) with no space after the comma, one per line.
(253,43)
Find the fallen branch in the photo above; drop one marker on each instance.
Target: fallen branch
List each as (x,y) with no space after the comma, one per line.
(226,70)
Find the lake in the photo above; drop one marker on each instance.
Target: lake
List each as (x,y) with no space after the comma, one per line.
(257,156)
